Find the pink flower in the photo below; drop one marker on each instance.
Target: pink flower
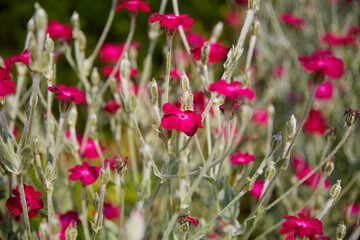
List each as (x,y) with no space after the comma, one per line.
(195,39)
(170,21)
(111,211)
(57,30)
(231,90)
(337,40)
(323,62)
(260,116)
(279,72)
(33,201)
(233,18)
(315,123)
(302,169)
(134,6)
(85,173)
(242,158)
(257,189)
(193,220)
(90,151)
(217,52)
(292,20)
(325,91)
(23,57)
(187,122)
(111,106)
(302,226)
(354,30)
(111,52)
(174,73)
(7,86)
(199,102)
(68,93)
(65,220)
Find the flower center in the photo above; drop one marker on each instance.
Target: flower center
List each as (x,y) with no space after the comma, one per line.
(183,116)
(85,172)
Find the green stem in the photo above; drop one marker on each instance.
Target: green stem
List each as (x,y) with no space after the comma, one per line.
(169,39)
(24,205)
(99,215)
(170,226)
(122,207)
(84,220)
(58,138)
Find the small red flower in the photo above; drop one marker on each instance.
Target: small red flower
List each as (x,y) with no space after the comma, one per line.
(292,20)
(337,40)
(33,201)
(231,90)
(194,221)
(85,173)
(111,106)
(90,151)
(170,21)
(260,116)
(111,211)
(323,62)
(199,102)
(257,189)
(187,122)
(325,91)
(301,169)
(174,73)
(134,6)
(57,30)
(65,220)
(233,18)
(23,57)
(7,86)
(303,226)
(242,158)
(68,93)
(111,52)
(217,52)
(315,123)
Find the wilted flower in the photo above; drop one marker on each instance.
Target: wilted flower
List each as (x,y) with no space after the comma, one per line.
(315,123)
(68,93)
(302,226)
(170,21)
(85,173)
(323,62)
(292,20)
(57,30)
(134,6)
(33,201)
(187,122)
(242,158)
(185,218)
(231,90)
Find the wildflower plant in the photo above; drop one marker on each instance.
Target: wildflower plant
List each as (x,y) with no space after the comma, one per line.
(242,129)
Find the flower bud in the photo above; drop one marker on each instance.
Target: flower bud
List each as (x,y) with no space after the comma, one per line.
(185,84)
(49,44)
(44,229)
(54,226)
(95,77)
(246,113)
(270,171)
(217,30)
(93,123)
(271,111)
(135,227)
(104,174)
(125,68)
(75,21)
(96,202)
(154,95)
(72,118)
(71,231)
(31,25)
(130,104)
(340,231)
(329,167)
(50,176)
(275,142)
(40,17)
(205,53)
(291,128)
(335,190)
(249,184)
(256,27)
(98,224)
(80,36)
(35,146)
(153,32)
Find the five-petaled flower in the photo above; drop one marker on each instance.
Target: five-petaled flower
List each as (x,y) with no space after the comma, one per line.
(7,86)
(292,20)
(324,63)
(231,90)
(302,226)
(33,201)
(171,21)
(85,173)
(57,30)
(242,158)
(187,122)
(68,93)
(134,6)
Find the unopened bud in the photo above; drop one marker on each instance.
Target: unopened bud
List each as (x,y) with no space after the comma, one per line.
(256,27)
(275,142)
(270,171)
(35,146)
(131,103)
(40,17)
(75,21)
(73,114)
(44,229)
(96,202)
(50,176)
(291,128)
(93,123)
(31,25)
(249,184)
(95,77)
(54,226)
(271,111)
(49,44)
(104,174)
(136,225)
(125,68)
(246,113)
(80,36)
(329,167)
(216,33)
(335,190)
(154,95)
(71,231)
(205,53)
(185,84)
(153,32)
(340,231)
